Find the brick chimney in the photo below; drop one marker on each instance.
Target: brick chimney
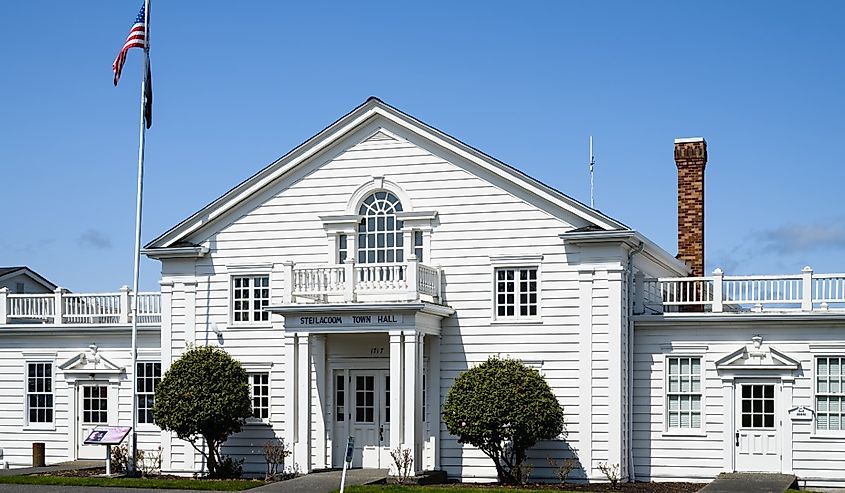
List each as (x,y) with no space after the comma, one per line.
(691,158)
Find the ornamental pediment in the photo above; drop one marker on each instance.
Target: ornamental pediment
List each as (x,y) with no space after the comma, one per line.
(89,362)
(757,356)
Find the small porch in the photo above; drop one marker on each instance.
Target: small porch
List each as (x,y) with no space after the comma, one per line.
(361,370)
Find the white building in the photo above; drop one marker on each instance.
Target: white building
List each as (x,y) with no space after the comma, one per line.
(359,274)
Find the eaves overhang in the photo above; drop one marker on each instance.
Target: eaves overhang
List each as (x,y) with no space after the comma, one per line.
(176,252)
(630,238)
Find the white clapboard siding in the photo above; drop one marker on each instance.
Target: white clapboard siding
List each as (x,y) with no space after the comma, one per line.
(16,349)
(477,219)
(659,456)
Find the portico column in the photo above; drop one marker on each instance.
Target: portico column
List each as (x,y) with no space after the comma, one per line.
(303,403)
(396,377)
(413,396)
(318,353)
(289,431)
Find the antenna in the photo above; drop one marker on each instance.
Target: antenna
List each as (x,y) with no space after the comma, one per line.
(592,164)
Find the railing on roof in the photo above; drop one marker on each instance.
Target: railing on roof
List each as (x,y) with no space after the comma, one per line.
(350,282)
(720,293)
(63,307)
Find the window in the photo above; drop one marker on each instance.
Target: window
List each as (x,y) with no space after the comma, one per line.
(342,249)
(683,394)
(19,288)
(250,294)
(758,406)
(260,395)
(379,232)
(340,397)
(148,376)
(830,394)
(516,292)
(39,392)
(418,245)
(365,399)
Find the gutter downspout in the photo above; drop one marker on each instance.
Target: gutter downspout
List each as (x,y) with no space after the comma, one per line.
(630,339)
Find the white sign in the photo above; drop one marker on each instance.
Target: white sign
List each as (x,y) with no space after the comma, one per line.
(801,413)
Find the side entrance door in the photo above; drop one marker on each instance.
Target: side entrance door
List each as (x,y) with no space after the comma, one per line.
(757,422)
(92,410)
(368,415)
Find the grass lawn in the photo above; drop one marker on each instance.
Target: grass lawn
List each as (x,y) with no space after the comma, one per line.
(180,484)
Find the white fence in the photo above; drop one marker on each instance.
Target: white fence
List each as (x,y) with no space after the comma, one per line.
(348,282)
(62,307)
(718,293)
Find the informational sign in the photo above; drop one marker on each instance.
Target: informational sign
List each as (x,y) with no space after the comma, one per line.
(107,435)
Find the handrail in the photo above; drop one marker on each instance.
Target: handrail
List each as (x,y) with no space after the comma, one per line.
(64,307)
(398,281)
(805,291)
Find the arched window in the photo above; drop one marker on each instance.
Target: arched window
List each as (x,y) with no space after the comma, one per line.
(379,232)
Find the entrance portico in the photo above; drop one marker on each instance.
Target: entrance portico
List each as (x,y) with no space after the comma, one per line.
(358,369)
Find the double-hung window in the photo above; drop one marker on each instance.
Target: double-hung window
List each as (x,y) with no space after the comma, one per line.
(147,378)
(683,392)
(250,294)
(259,393)
(516,293)
(830,393)
(39,392)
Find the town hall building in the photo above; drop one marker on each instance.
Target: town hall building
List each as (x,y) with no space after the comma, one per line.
(357,276)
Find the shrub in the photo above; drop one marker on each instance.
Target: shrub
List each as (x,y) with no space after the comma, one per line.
(204,396)
(503,408)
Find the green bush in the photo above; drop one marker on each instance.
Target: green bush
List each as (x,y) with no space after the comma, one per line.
(204,396)
(503,408)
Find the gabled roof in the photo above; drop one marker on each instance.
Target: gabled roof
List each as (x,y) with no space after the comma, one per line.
(367,112)
(9,272)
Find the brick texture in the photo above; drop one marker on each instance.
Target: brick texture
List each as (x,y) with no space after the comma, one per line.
(691,159)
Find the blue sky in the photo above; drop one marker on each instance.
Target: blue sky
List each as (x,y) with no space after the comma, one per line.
(238,84)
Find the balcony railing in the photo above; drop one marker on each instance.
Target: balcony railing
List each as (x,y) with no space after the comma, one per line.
(351,282)
(719,293)
(63,307)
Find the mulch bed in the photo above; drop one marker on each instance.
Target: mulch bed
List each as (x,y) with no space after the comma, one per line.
(603,487)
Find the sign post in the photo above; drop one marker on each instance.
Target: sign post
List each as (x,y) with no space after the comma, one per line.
(108,436)
(350,444)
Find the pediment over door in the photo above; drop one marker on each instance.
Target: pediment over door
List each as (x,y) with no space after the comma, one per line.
(757,357)
(90,364)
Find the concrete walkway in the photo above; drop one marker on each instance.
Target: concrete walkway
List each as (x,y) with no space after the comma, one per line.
(74,465)
(323,482)
(749,483)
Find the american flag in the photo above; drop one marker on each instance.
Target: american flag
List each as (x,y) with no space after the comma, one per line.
(136,38)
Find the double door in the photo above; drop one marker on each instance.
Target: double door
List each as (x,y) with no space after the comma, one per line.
(362,402)
(92,410)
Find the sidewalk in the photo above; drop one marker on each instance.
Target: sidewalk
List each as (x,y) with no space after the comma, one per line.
(74,465)
(322,482)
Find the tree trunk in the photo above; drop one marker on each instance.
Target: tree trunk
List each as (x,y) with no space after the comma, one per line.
(212,459)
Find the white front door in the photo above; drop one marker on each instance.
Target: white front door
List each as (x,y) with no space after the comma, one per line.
(367,413)
(92,410)
(757,423)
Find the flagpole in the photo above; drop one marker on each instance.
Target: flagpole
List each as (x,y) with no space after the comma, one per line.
(133,437)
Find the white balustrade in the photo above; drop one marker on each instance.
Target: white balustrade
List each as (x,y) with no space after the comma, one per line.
(39,307)
(381,277)
(806,291)
(63,307)
(344,283)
